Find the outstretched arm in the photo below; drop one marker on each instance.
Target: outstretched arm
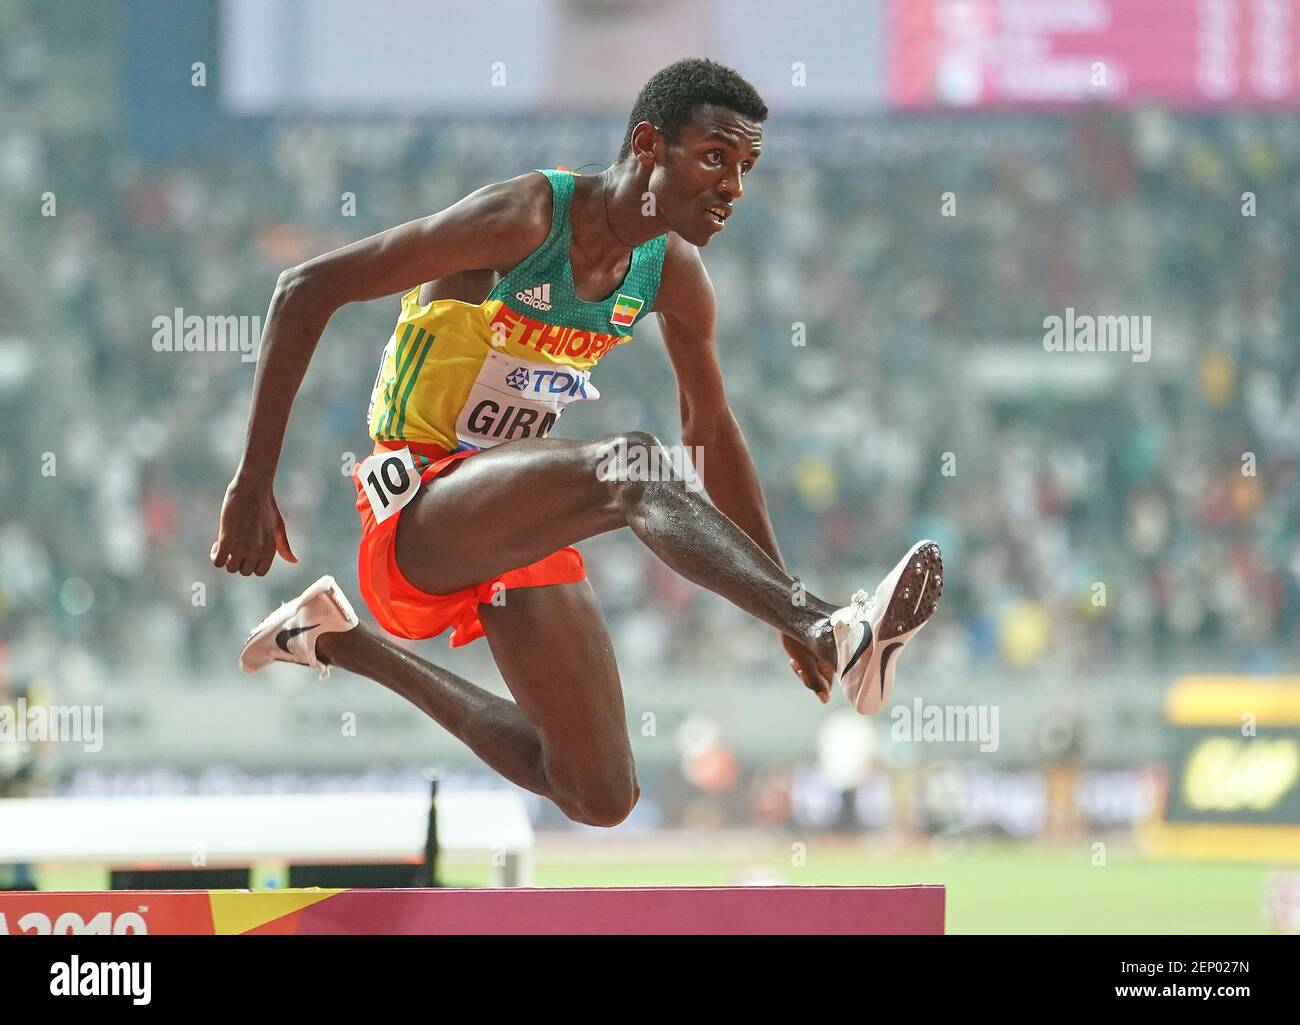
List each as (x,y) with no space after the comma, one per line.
(686,307)
(495,227)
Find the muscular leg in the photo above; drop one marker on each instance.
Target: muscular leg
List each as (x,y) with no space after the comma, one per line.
(514,504)
(566,739)
(522,501)
(555,654)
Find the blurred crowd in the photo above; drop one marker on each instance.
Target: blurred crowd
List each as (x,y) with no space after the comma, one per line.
(881,327)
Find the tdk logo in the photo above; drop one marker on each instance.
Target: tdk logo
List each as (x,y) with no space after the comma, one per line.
(538,297)
(548,382)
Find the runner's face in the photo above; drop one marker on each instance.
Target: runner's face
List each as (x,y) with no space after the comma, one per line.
(705,171)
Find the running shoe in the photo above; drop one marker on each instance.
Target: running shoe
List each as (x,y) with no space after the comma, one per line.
(871,630)
(289,633)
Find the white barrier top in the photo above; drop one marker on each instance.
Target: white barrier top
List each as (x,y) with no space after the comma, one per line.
(229,830)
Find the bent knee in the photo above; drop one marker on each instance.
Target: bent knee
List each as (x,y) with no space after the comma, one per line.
(606,455)
(606,808)
(626,462)
(637,440)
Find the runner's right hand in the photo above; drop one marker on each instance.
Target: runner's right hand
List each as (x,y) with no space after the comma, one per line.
(251,531)
(815,674)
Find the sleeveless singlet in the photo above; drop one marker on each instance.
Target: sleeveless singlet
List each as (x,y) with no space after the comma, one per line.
(469,377)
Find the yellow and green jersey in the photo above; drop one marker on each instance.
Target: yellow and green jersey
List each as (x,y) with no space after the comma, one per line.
(462,376)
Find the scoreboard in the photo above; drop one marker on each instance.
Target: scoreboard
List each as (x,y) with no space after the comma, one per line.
(1035,53)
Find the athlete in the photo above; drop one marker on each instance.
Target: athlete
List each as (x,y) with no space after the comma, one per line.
(469,511)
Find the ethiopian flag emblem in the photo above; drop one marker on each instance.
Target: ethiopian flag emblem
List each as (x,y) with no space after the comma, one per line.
(626,307)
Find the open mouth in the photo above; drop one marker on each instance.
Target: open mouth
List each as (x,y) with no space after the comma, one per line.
(718,214)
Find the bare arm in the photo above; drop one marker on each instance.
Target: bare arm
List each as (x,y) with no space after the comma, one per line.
(490,228)
(687,312)
(493,228)
(687,322)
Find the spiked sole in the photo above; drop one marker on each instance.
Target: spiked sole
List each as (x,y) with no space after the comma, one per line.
(913,586)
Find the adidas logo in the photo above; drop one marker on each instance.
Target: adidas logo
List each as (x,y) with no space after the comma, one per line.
(538,297)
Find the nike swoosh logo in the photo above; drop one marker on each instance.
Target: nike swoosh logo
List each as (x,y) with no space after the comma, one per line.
(920,592)
(884,663)
(863,645)
(282,638)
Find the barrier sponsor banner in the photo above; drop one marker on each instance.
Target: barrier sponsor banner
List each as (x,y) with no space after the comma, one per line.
(775,910)
(105,913)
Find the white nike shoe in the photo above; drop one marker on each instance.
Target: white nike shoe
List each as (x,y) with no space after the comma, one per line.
(871,630)
(289,633)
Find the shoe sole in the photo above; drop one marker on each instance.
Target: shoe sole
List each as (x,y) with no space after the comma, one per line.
(917,583)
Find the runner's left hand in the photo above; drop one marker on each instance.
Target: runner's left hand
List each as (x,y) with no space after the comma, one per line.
(815,674)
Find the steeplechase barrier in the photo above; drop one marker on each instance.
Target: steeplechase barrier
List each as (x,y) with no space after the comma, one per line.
(723,910)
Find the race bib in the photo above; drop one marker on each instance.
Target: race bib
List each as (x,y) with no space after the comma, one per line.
(512,399)
(390,481)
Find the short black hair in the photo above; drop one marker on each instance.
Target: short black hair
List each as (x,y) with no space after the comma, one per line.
(671,97)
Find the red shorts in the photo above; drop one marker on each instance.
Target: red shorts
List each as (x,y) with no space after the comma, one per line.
(402,608)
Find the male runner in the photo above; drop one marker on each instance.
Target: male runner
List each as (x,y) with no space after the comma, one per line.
(512,295)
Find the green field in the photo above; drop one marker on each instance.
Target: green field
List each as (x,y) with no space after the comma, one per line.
(991,888)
